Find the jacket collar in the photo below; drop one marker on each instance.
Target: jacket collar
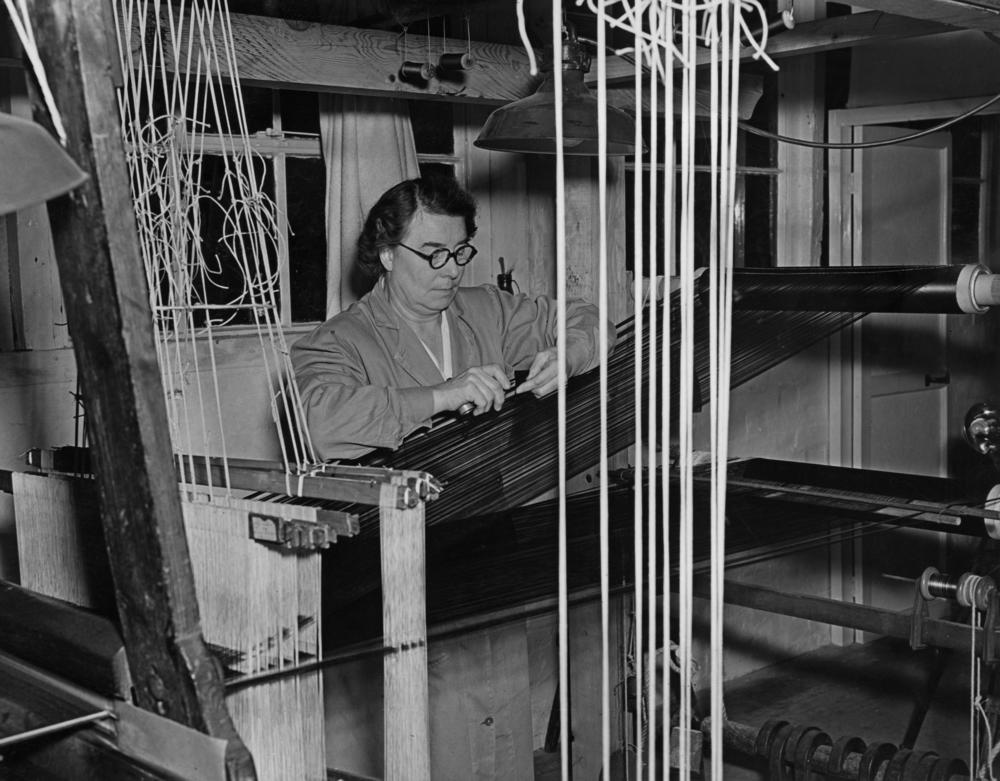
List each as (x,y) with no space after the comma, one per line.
(402,342)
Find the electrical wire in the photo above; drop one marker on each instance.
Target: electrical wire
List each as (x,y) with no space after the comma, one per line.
(869,144)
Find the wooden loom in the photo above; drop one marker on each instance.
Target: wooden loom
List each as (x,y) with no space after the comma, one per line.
(138,492)
(164,584)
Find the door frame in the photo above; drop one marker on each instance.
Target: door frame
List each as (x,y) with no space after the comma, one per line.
(844,411)
(845,126)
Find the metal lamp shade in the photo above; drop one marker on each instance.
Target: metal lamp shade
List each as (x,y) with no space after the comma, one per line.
(33,167)
(528,125)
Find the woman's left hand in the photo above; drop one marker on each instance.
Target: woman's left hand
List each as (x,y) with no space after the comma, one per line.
(543,375)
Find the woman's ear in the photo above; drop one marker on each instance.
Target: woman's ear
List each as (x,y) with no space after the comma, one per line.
(385,255)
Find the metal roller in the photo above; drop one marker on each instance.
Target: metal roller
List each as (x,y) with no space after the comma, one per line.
(969,289)
(922,768)
(839,752)
(875,756)
(946,769)
(806,749)
(766,735)
(776,756)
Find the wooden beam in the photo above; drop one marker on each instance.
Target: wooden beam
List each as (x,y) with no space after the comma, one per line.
(104,286)
(280,54)
(822,35)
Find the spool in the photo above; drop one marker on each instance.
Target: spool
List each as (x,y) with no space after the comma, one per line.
(967,589)
(992,524)
(456,61)
(982,429)
(416,72)
(985,289)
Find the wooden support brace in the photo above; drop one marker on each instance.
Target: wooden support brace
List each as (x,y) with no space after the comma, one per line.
(404,618)
(107,308)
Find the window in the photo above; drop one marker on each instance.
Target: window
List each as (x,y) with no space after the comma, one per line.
(433,125)
(973,142)
(284,141)
(755,192)
(284,127)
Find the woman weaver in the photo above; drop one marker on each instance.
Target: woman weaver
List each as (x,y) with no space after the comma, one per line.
(418,344)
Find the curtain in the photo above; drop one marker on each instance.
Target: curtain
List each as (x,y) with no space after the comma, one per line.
(367,147)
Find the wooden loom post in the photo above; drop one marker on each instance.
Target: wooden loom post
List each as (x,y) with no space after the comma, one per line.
(404,628)
(107,308)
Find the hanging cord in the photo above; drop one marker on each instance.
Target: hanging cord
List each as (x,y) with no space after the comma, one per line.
(19,18)
(869,144)
(522,29)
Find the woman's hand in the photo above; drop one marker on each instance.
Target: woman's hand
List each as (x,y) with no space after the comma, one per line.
(482,386)
(543,375)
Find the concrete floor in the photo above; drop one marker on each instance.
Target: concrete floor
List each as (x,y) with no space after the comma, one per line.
(867,690)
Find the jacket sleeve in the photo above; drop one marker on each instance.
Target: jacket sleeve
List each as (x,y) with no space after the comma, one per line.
(346,414)
(531,325)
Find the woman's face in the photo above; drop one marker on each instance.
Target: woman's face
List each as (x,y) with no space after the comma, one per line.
(419,291)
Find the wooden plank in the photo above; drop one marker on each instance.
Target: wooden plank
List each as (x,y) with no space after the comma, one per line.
(331,488)
(76,644)
(404,624)
(801,114)
(322,57)
(104,287)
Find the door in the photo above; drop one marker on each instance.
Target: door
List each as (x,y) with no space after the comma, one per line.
(902,217)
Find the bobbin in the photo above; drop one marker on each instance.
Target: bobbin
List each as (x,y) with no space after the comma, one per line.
(967,589)
(456,61)
(416,72)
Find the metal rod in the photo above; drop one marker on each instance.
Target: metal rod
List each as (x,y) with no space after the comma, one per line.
(936,632)
(60,726)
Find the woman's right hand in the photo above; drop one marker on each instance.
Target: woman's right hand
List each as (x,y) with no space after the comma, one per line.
(482,386)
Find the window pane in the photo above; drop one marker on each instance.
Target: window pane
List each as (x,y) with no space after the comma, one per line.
(217,111)
(299,111)
(229,275)
(306,178)
(965,148)
(965,222)
(437,169)
(759,216)
(630,206)
(433,126)
(753,214)
(758,151)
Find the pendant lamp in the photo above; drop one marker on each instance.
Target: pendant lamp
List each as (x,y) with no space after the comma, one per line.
(33,167)
(528,125)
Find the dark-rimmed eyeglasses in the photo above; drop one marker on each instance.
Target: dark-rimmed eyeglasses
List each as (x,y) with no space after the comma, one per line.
(462,254)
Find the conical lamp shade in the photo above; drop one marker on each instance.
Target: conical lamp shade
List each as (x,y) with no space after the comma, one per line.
(529,124)
(33,167)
